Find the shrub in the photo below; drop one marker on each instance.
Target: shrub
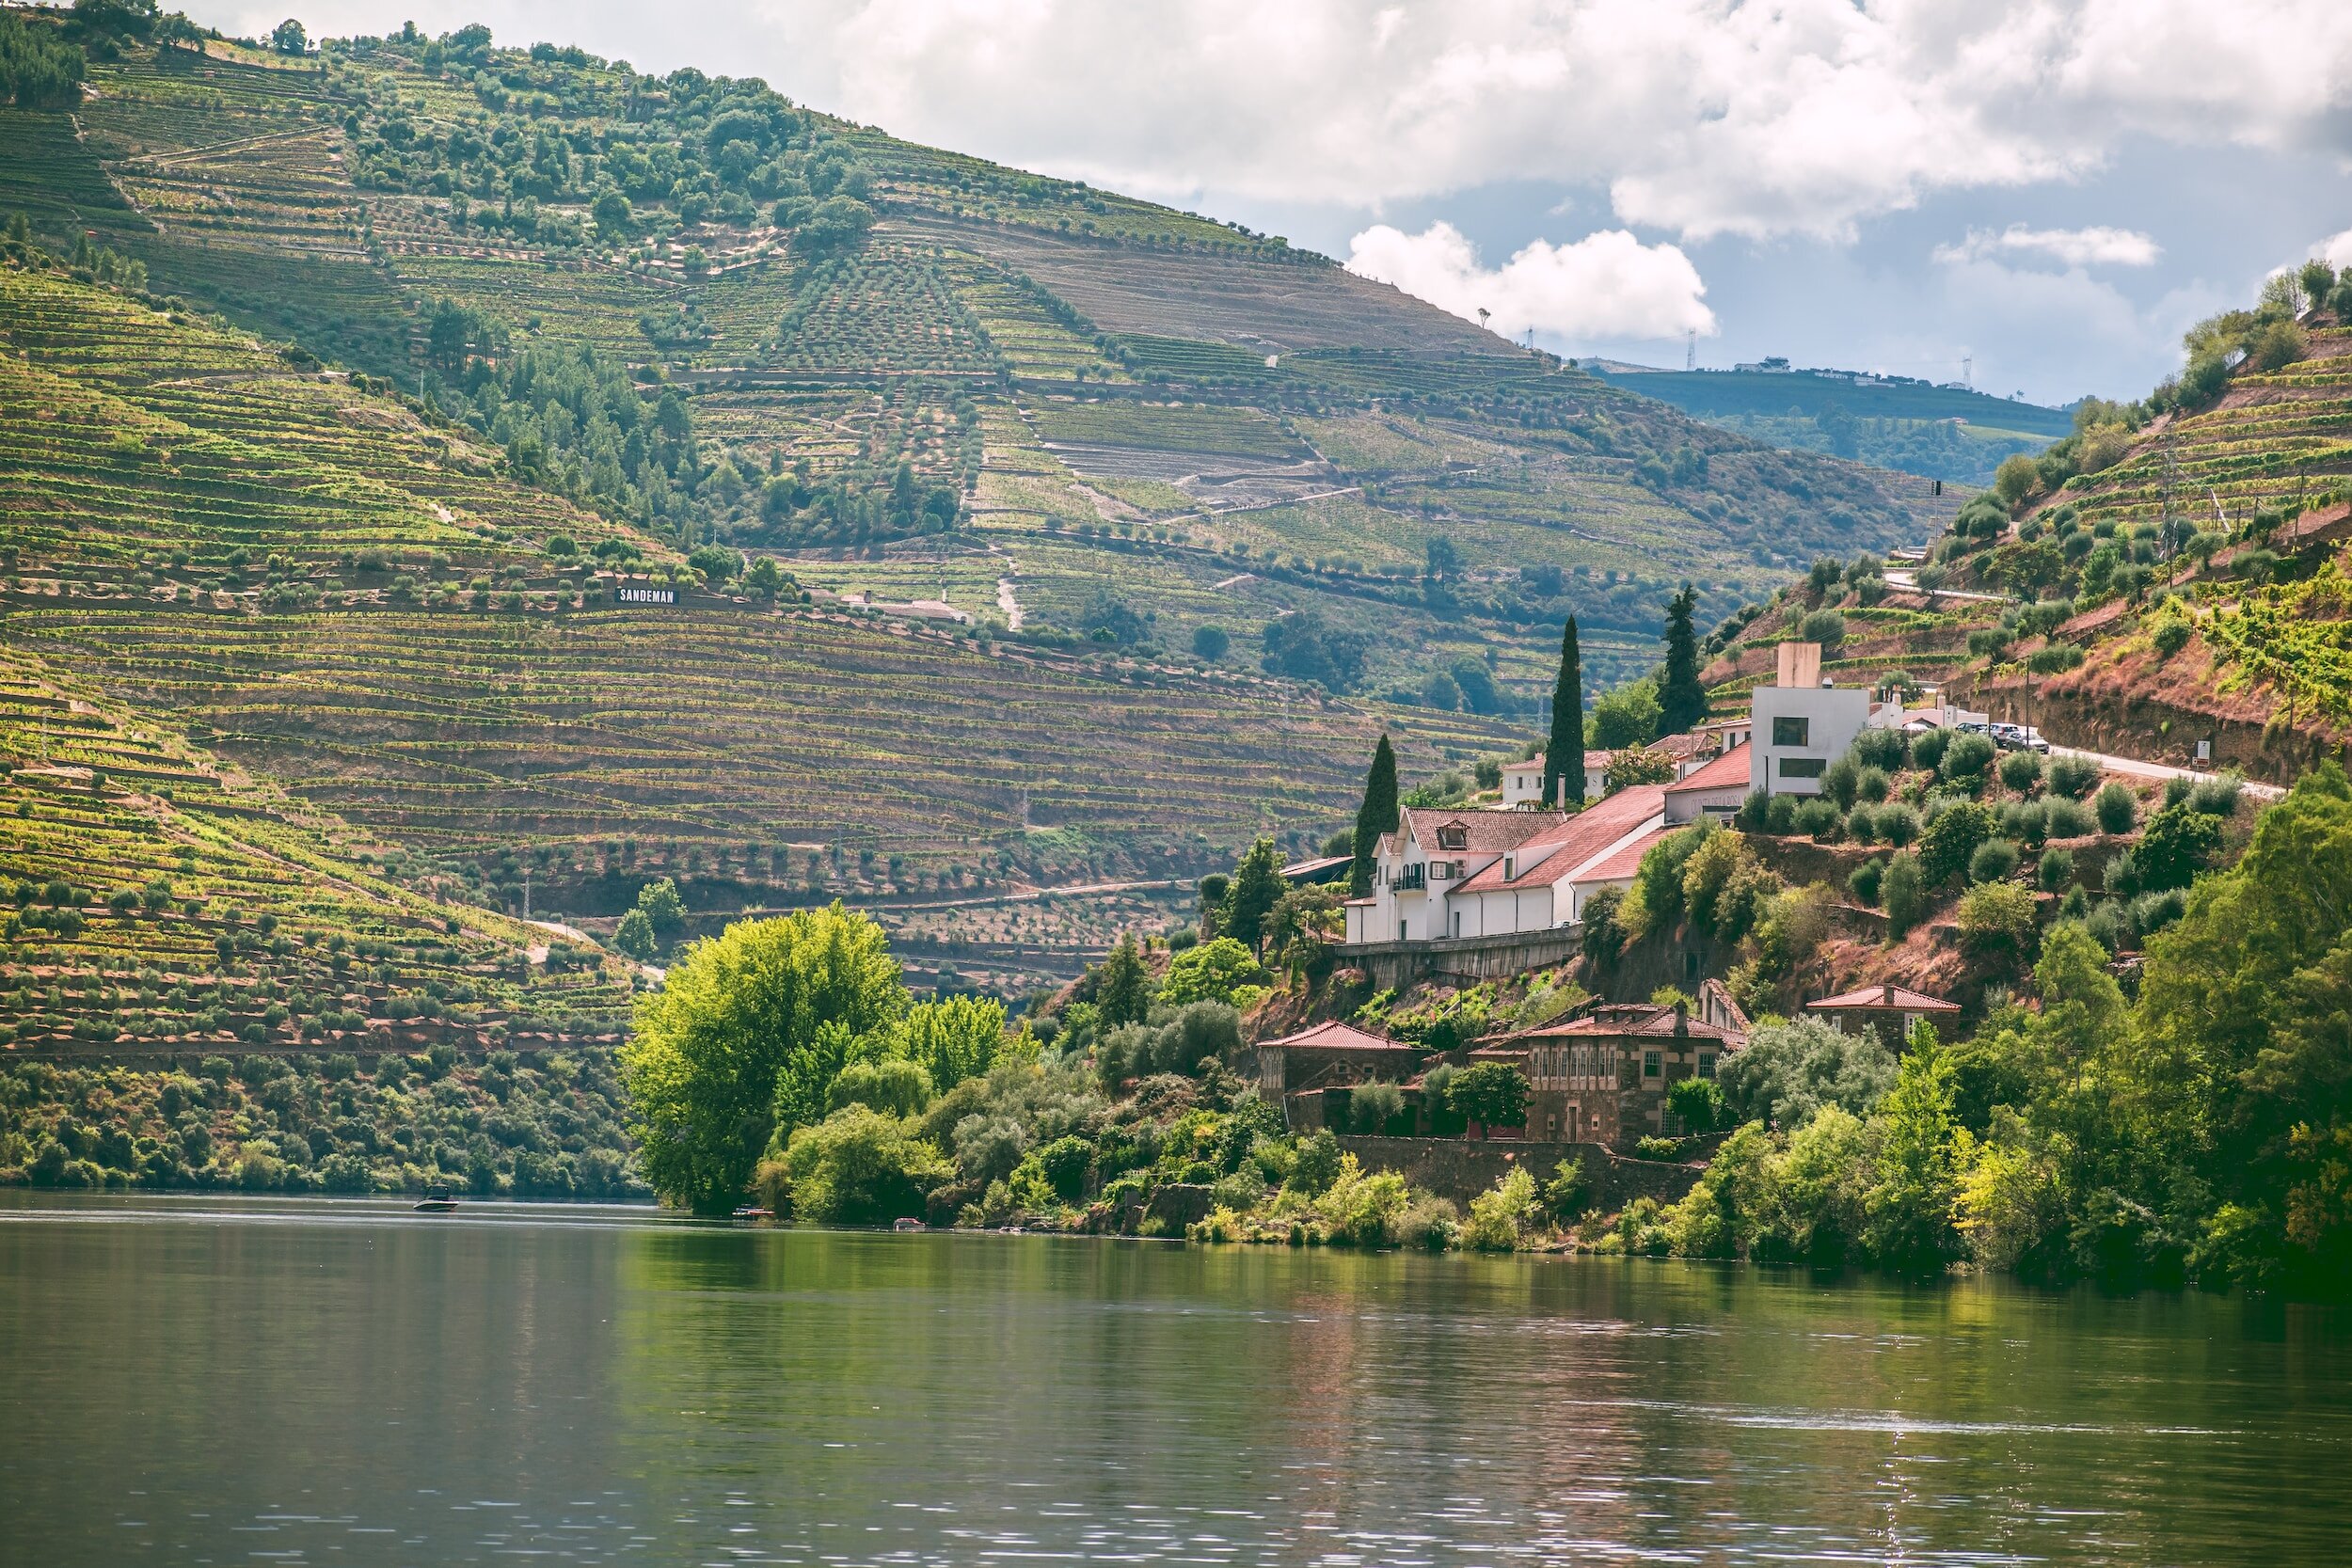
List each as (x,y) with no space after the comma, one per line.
(2056,870)
(1951,839)
(1209,643)
(1927,748)
(1429,1223)
(1780,814)
(2071,777)
(2217,796)
(2152,913)
(1873,783)
(2026,821)
(1862,825)
(1698,1102)
(1967,756)
(1882,749)
(2180,841)
(1372,1106)
(1818,818)
(1317,1164)
(1998,914)
(858,1165)
(1500,1216)
(1904,891)
(1995,859)
(1898,824)
(1493,1094)
(1826,626)
(2021,771)
(1213,972)
(2056,660)
(2117,809)
(2065,819)
(1865,879)
(1568,1193)
(1663,1149)
(2170,633)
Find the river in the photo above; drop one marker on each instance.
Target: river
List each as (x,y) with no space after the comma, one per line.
(217,1379)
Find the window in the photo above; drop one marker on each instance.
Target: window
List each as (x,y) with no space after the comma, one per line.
(1792,730)
(1400,930)
(1510,868)
(1458,923)
(1706,1064)
(1453,836)
(1801,767)
(1652,1064)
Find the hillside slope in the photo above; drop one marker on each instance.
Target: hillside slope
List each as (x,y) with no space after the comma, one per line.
(837,304)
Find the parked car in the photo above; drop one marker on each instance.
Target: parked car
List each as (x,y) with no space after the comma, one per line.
(2018,738)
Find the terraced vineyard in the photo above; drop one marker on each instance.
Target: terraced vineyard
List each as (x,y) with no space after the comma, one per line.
(161,902)
(903,373)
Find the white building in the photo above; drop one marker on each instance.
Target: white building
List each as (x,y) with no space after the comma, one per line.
(1714,791)
(1464,873)
(1802,724)
(1523,782)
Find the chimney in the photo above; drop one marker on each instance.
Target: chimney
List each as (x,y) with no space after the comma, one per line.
(1800,664)
(1682,1019)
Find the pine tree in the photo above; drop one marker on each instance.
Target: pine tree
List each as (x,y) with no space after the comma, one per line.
(1680,695)
(1377,815)
(1564,759)
(1257,885)
(1123,989)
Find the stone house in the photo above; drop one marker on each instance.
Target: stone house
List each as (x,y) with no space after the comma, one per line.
(1603,1077)
(1886,1010)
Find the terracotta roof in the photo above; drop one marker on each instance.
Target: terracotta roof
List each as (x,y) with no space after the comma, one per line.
(1624,861)
(1485,832)
(1635,1019)
(1688,744)
(1725,771)
(1335,1036)
(1893,998)
(1573,842)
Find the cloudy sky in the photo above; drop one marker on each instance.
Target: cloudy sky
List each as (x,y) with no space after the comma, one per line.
(2052,190)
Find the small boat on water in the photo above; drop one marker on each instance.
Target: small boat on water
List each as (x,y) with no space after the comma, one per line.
(753,1211)
(438,1200)
(908,1223)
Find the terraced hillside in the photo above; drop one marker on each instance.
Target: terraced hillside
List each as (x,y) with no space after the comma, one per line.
(2169,578)
(161,902)
(340,592)
(840,306)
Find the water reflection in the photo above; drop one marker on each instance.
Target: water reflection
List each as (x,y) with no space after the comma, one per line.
(218,1380)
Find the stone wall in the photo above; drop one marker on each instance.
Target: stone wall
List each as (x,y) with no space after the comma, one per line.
(1461,1169)
(1397,964)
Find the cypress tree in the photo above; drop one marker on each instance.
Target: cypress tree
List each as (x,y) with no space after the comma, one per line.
(1257,885)
(1563,758)
(1377,815)
(1123,989)
(1681,696)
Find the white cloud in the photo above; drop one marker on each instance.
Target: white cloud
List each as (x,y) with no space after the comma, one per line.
(2076,247)
(1698,116)
(1608,285)
(2336,251)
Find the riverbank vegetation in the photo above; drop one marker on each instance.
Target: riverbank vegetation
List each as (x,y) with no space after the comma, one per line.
(546,1126)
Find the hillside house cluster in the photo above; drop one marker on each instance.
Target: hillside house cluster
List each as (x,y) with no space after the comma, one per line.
(1478,874)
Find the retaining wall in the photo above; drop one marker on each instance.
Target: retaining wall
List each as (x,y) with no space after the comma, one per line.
(1461,1169)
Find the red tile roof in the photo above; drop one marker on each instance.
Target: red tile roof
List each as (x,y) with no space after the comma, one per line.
(1578,839)
(1893,998)
(1625,860)
(1485,832)
(1335,1036)
(1723,773)
(1632,1020)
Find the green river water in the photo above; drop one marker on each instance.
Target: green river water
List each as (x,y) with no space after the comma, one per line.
(247,1381)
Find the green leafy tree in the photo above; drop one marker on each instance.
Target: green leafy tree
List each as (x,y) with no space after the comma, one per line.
(952,1039)
(742,1040)
(1213,971)
(613,218)
(1123,989)
(859,1166)
(1257,887)
(895,1087)
(1697,1102)
(1904,894)
(663,910)
(635,938)
(1563,754)
(1951,839)
(1375,816)
(1489,1094)
(1626,717)
(289,37)
(1911,1228)
(1681,699)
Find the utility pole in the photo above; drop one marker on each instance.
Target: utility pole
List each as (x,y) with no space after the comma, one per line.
(1691,350)
(526,893)
(1968,369)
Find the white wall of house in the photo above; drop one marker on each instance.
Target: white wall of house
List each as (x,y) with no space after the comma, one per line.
(1688,806)
(1523,783)
(1799,732)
